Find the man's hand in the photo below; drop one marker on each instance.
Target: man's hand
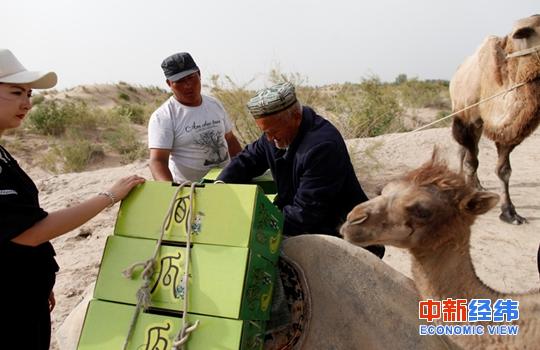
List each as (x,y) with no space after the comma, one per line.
(52,301)
(232,144)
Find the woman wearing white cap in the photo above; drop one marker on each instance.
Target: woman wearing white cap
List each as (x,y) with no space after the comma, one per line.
(27,265)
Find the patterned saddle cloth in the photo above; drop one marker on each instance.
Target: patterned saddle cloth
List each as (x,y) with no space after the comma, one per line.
(296,300)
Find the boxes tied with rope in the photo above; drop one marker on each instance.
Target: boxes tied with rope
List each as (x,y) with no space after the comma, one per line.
(227,215)
(107,324)
(220,242)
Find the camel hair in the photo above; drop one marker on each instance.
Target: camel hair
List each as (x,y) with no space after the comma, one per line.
(430,212)
(499,64)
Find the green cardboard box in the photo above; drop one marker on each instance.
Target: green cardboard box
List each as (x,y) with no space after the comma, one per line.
(265,181)
(107,324)
(231,215)
(224,281)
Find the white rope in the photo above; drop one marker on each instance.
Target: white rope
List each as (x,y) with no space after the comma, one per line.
(523,52)
(534,49)
(184,333)
(468,107)
(143,294)
(183,339)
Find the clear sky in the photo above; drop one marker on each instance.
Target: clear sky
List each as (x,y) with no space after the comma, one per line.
(332,41)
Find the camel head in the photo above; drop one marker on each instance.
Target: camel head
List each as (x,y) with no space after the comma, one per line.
(524,36)
(419,209)
(526,32)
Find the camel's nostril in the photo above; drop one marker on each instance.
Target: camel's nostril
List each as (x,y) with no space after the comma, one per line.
(358,220)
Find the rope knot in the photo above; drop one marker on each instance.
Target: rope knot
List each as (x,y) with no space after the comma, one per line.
(184,335)
(144,297)
(147,266)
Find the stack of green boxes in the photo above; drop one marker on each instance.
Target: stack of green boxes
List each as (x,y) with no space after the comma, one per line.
(236,234)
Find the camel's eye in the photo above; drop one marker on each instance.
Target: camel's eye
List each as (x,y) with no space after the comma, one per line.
(420,212)
(523,33)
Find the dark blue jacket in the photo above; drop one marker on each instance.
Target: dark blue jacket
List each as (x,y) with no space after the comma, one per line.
(316,183)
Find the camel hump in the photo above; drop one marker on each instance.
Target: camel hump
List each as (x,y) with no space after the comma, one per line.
(356,299)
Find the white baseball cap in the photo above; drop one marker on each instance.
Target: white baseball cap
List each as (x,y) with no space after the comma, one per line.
(12,71)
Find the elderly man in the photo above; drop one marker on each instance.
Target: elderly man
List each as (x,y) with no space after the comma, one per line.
(190,133)
(308,158)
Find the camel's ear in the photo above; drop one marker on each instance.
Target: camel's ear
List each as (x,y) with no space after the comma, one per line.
(479,202)
(435,155)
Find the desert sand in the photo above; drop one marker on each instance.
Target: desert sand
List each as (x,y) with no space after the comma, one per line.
(504,255)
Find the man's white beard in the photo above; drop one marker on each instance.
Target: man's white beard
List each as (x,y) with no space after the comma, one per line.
(279,147)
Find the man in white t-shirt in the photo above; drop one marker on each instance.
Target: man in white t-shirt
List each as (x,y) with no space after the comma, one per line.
(190,133)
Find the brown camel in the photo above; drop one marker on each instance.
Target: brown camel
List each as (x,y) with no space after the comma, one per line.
(430,212)
(498,65)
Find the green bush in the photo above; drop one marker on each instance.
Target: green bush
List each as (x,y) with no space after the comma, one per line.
(51,160)
(155,91)
(421,94)
(82,117)
(53,117)
(78,154)
(308,95)
(234,99)
(125,141)
(49,118)
(134,112)
(379,111)
(368,109)
(446,122)
(123,96)
(37,99)
(363,109)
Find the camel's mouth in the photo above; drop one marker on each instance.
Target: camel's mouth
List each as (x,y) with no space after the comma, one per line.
(350,227)
(353,233)
(357,221)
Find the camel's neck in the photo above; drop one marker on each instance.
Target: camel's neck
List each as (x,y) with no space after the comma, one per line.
(449,273)
(511,119)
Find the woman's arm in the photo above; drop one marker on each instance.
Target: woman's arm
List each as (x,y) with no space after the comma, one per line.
(62,221)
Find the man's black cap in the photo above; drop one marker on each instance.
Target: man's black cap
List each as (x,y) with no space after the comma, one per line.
(178,66)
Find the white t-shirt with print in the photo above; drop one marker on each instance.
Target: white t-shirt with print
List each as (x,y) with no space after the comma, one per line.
(195,136)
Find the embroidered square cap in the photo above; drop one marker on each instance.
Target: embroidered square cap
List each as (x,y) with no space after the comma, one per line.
(272,100)
(12,71)
(178,66)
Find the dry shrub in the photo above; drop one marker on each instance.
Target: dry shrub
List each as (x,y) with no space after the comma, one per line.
(367,109)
